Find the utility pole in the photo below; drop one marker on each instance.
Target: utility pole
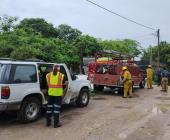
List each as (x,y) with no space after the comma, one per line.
(81,60)
(158,35)
(151,58)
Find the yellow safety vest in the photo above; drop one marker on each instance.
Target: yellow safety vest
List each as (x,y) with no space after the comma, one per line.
(55,84)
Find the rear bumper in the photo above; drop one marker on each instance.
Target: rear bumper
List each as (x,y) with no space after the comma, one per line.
(9,106)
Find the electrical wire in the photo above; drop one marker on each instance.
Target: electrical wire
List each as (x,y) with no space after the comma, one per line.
(128,19)
(144,36)
(144,39)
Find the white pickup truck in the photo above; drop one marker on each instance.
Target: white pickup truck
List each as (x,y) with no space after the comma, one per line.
(24,89)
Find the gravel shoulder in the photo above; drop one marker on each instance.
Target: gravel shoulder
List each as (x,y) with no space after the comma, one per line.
(107,117)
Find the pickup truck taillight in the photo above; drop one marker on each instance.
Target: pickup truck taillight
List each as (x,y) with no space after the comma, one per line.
(5,92)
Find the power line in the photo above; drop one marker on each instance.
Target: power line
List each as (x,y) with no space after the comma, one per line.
(128,19)
(144,39)
(142,36)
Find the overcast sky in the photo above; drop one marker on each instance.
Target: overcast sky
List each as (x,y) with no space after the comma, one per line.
(96,22)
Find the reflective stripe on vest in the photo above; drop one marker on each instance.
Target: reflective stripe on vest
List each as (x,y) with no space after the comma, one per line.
(57,88)
(59,80)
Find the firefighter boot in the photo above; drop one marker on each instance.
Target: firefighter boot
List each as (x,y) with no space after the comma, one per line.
(57,125)
(48,123)
(57,120)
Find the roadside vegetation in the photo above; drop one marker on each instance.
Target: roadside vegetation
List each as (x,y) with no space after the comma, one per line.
(36,38)
(164,49)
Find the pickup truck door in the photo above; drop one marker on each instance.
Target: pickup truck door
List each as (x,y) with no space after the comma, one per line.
(67,85)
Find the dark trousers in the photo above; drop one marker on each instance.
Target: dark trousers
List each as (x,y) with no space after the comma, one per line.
(54,107)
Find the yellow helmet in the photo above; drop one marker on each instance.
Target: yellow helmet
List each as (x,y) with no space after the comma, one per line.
(124,68)
(149,66)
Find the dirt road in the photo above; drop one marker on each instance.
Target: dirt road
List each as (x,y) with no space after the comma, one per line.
(107,117)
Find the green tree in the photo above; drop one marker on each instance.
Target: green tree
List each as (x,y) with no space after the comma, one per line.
(7,23)
(25,52)
(126,46)
(67,33)
(36,38)
(5,49)
(38,26)
(164,49)
(87,46)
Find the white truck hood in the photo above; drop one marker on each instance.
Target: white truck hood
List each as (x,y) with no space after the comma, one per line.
(82,78)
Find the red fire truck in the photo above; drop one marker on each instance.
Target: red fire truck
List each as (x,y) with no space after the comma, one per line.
(107,71)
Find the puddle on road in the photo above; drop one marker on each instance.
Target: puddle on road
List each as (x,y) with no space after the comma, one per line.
(163,98)
(160,109)
(165,105)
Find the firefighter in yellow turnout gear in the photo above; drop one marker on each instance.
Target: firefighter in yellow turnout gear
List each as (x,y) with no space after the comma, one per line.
(149,72)
(164,80)
(127,82)
(55,93)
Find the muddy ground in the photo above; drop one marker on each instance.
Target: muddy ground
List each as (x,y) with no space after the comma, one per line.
(107,117)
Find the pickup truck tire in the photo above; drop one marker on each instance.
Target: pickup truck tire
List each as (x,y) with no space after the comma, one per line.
(83,98)
(30,110)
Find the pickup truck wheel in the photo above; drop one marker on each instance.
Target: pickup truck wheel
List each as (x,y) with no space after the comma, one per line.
(30,110)
(83,98)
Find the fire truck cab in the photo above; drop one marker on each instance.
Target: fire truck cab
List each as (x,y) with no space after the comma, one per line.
(107,72)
